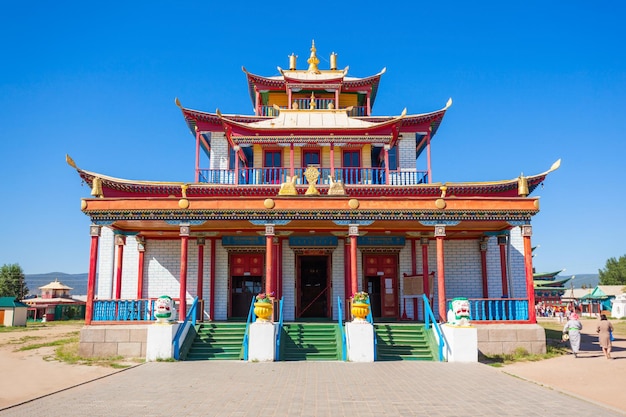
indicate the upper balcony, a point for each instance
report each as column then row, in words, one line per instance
column 277, row 176
column 320, row 103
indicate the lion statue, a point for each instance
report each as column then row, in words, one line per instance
column 164, row 310
column 459, row 313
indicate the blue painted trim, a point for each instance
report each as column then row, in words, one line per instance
column 439, row 222
column 274, row 222
column 191, row 316
column 246, row 336
column 349, row 222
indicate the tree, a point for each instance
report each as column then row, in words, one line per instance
column 12, row 281
column 614, row 273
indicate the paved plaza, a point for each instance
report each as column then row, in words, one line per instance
column 311, row 389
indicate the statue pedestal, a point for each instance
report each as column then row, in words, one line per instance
column 262, row 342
column 159, row 343
column 360, row 341
column 461, row 343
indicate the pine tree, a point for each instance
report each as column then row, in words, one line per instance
column 614, row 273
column 12, row 281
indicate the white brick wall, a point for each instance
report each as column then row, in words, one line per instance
column 219, row 151
column 406, row 151
column 106, row 264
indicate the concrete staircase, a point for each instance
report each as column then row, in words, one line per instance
column 310, row 342
column 402, row 342
column 217, row 341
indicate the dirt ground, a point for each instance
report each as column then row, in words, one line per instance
column 590, row 376
column 31, row 374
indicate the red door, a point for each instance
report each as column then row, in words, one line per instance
column 381, row 281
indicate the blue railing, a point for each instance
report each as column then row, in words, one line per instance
column 246, row 335
column 429, row 317
column 342, row 330
column 191, row 317
column 123, row 310
column 277, row 176
column 505, row 309
column 279, row 330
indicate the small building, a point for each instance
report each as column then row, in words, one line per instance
column 12, row 312
column 55, row 303
column 618, row 309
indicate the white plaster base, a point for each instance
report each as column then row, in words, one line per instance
column 360, row 341
column 461, row 343
column 618, row 309
column 262, row 344
column 159, row 345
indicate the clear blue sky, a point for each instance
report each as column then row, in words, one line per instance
column 531, row 82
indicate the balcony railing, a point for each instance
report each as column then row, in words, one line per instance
column 276, row 176
column 320, row 103
column 123, row 310
column 496, row 309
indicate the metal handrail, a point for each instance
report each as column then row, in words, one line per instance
column 246, row 335
column 428, row 317
column 191, row 316
column 280, row 329
column 342, row 329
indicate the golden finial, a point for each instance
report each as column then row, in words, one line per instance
column 313, row 61
column 522, row 186
column 292, row 61
column 96, row 187
column 333, row 61
column 312, row 105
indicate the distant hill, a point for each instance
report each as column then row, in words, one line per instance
column 77, row 281
column 588, row 280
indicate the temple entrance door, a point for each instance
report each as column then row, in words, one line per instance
column 313, row 287
column 381, row 282
column 246, row 281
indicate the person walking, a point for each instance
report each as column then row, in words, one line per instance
column 605, row 329
column 572, row 328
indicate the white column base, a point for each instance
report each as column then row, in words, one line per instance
column 159, row 343
column 360, row 341
column 461, row 343
column 262, row 342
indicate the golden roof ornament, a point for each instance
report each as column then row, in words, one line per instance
column 96, row 187
column 522, row 186
column 313, row 61
column 292, row 61
column 312, row 174
column 333, row 61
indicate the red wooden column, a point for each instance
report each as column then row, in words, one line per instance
column 184, row 248
column 120, row 241
column 141, row 248
column 332, row 160
column 292, row 163
column 353, row 232
column 424, row 242
column 197, row 176
column 428, row 163
column 269, row 259
column 503, row 266
column 236, row 148
column 440, row 234
column 346, row 274
column 200, row 242
column 482, row 245
column 94, row 231
column 212, row 282
column 527, row 231
column 386, row 155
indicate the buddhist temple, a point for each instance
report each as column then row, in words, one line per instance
column 310, row 200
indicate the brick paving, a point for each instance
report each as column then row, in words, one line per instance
column 309, row 389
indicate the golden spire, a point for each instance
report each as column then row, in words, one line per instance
column 313, row 61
